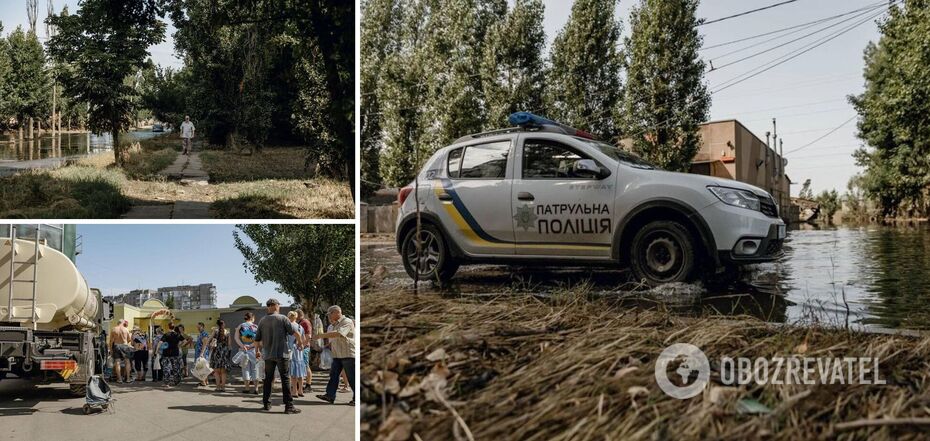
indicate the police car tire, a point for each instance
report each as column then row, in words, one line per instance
column 669, row 230
column 447, row 264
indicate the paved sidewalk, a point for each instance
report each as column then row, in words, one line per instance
column 145, row 411
column 187, row 170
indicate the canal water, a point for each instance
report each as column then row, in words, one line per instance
column 868, row 276
column 63, row 146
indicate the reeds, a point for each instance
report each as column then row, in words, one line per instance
column 520, row 367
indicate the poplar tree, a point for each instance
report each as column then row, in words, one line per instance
column 584, row 79
column 429, row 91
column 451, row 55
column 512, row 69
column 5, row 86
column 665, row 97
column 379, row 39
column 399, row 94
column 28, row 83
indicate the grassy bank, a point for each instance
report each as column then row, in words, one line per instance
column 569, row 368
column 68, row 193
column 271, row 184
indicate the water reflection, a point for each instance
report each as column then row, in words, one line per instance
column 863, row 276
column 63, row 145
column 881, row 272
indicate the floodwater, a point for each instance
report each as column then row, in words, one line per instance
column 868, row 276
column 63, row 146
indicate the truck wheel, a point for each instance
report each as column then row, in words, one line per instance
column 434, row 261
column 662, row 252
column 78, row 389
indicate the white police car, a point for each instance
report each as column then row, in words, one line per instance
column 545, row 193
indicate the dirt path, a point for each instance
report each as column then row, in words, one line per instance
column 187, row 170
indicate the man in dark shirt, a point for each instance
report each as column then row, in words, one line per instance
column 271, row 341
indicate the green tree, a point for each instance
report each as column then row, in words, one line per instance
column 329, row 79
column 856, row 204
column 165, row 93
column 512, row 68
column 379, row 39
column 6, row 112
column 665, row 98
column 105, row 42
column 893, row 112
column 429, row 91
column 806, row 192
column 169, row 302
column 583, row 85
column 28, row 82
column 829, row 202
column 450, row 55
column 311, row 263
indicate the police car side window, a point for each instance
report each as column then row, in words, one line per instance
column 545, row 159
column 484, row 161
column 455, row 163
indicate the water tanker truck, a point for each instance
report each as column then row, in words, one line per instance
column 50, row 319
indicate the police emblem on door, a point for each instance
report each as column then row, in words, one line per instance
column 525, row 217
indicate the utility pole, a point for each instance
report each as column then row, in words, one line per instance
column 774, row 144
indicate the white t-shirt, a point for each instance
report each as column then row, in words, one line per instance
column 187, row 129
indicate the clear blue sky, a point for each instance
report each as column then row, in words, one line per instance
column 119, row 258
column 815, row 84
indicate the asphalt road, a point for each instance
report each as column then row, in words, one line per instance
column 145, row 411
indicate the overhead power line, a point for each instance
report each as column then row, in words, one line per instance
column 780, row 45
column 801, row 25
column 792, row 55
column 824, row 135
column 717, row 20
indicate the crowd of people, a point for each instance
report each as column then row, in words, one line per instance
column 287, row 344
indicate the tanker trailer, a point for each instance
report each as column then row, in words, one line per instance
column 50, row 320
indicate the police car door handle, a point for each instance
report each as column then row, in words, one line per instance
column 444, row 196
column 525, row 196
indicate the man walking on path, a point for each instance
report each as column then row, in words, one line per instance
column 342, row 342
column 122, row 352
column 271, row 342
column 187, row 133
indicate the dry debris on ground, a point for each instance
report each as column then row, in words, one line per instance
column 565, row 368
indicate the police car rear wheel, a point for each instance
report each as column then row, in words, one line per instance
column 662, row 252
column 432, row 260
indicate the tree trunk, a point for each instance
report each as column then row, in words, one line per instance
column 31, row 128
column 54, row 105
column 117, row 152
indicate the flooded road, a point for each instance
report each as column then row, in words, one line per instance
column 63, row 146
column 866, row 276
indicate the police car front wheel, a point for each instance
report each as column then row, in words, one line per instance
column 662, row 252
column 430, row 259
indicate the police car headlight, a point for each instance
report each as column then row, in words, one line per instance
column 736, row 197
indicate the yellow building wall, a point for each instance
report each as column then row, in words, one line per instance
column 189, row 318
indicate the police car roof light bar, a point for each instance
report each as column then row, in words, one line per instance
column 529, row 120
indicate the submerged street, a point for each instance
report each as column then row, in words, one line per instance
column 882, row 271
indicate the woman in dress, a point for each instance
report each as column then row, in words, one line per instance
column 219, row 357
column 298, row 367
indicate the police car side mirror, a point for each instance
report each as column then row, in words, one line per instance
column 587, row 168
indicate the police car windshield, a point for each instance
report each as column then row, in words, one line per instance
column 621, row 155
